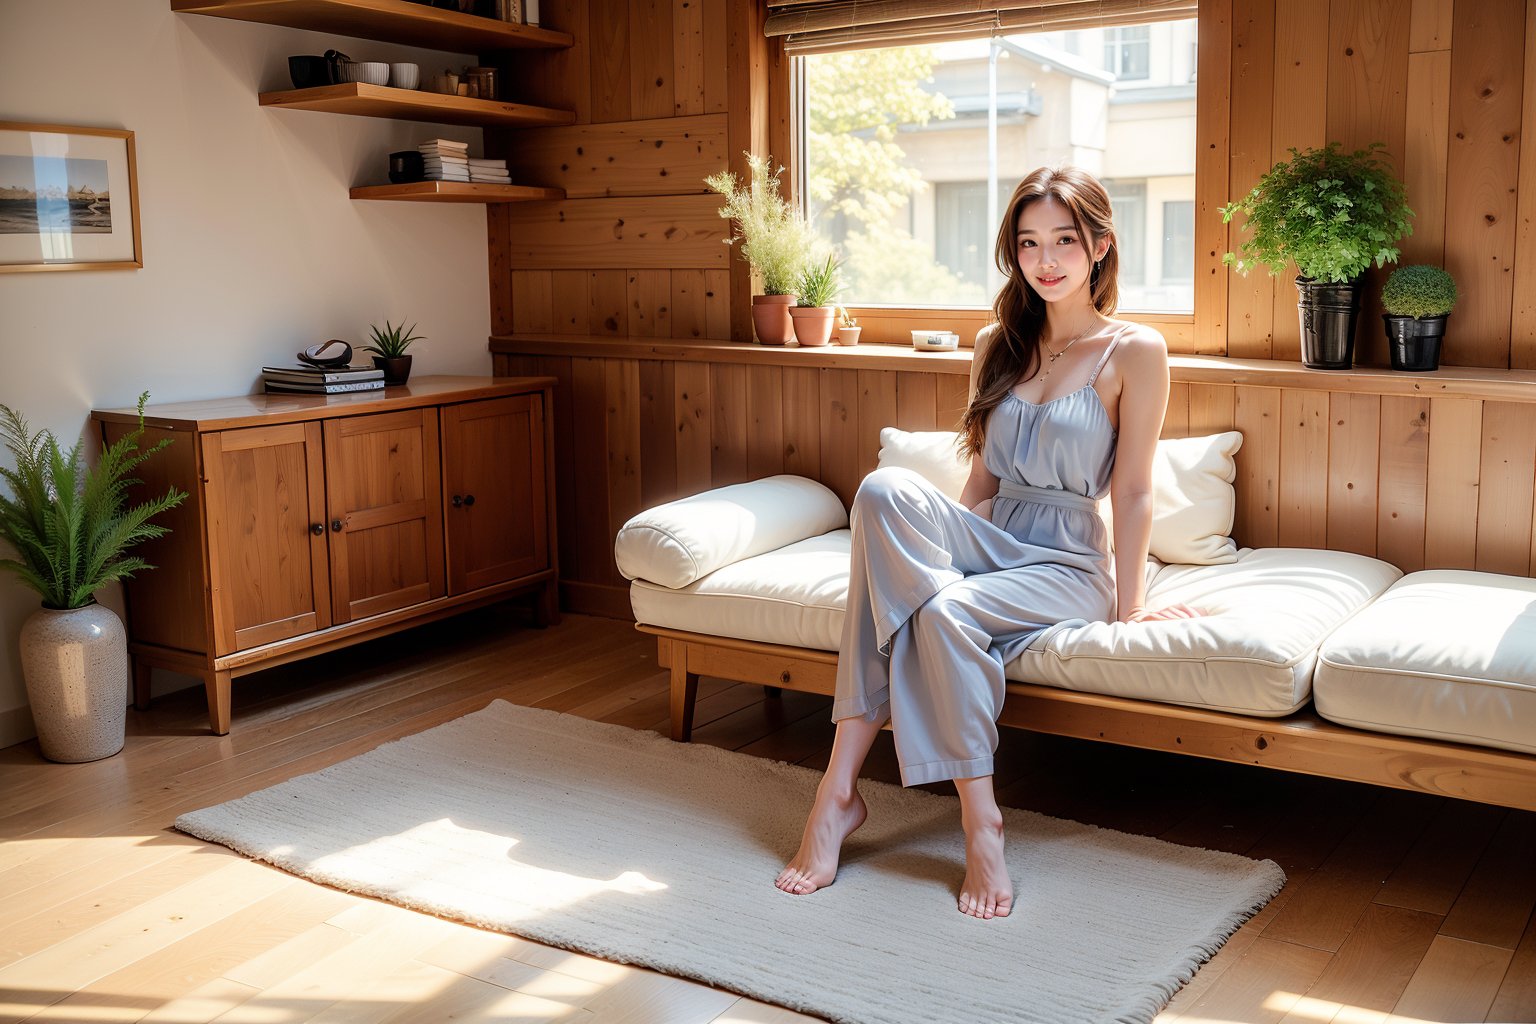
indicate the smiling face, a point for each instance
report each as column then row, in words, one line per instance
column 1055, row 261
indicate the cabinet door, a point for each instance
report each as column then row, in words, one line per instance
column 266, row 538
column 493, row 476
column 384, row 508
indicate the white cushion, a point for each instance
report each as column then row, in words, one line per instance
column 1193, row 503
column 1252, row 653
column 682, row 541
column 1446, row 653
column 795, row 596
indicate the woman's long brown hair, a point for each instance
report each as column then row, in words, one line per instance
column 1019, row 310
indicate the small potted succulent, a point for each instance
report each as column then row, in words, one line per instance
column 848, row 328
column 1418, row 301
column 389, row 348
column 775, row 239
column 1333, row 215
column 814, row 313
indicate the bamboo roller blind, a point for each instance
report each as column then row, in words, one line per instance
column 822, row 26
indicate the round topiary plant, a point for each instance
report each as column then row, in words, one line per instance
column 1419, row 292
column 1331, row 213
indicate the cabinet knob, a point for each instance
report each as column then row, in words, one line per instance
column 336, row 525
column 469, row 499
column 318, row 529
column 458, row 501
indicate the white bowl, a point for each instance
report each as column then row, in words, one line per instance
column 935, row 341
column 404, row 76
column 369, row 72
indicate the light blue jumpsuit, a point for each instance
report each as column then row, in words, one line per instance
column 940, row 599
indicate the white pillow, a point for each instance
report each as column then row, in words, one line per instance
column 1193, row 503
column 932, row 454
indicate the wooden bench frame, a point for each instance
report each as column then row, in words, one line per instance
column 1301, row 742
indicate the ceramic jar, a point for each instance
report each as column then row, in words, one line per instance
column 75, row 663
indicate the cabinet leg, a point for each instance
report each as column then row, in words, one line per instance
column 685, row 690
column 218, row 684
column 773, row 692
column 546, row 605
column 141, row 678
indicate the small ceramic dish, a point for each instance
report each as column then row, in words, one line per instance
column 935, row 341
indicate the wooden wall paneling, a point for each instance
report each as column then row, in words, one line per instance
column 765, row 421
column 688, row 56
column 1303, row 469
column 1354, row 445
column 839, row 418
column 1450, row 508
column 877, row 410
column 500, row 279
column 1256, row 413
column 550, row 78
column 572, row 301
column 728, row 423
column 917, row 401
column 717, row 305
column 1522, row 328
column 653, row 232
column 589, row 472
column 688, row 310
column 621, row 382
column 1212, row 169
column 1299, row 119
column 802, row 421
column 1176, row 418
column 662, row 156
column 1212, row 409
column 658, row 446
column 953, row 398
column 1402, row 489
column 747, row 100
column 716, row 39
column 529, row 292
column 609, row 29
column 607, row 299
column 1430, row 25
column 1504, row 495
column 691, row 407
column 1425, row 146
column 1250, row 299
column 1482, row 165
column 648, row 301
column 559, row 367
column 651, row 70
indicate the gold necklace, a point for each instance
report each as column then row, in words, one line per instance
column 1053, row 356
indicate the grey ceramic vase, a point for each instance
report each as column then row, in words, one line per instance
column 76, row 666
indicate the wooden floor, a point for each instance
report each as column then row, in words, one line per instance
column 1399, row 906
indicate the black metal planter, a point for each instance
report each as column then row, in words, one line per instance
column 1414, row 343
column 1328, row 313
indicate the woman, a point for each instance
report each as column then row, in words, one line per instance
column 1066, row 403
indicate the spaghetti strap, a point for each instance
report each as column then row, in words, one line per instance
column 1108, row 351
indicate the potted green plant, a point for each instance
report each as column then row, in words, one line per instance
column 1418, row 300
column 813, row 314
column 389, row 348
column 775, row 240
column 1333, row 215
column 848, row 328
column 71, row 526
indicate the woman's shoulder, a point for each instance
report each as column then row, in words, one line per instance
column 1141, row 342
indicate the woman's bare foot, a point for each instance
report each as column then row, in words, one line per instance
column 987, row 891
column 833, row 818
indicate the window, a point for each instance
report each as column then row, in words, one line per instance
column 1179, row 240
column 898, row 164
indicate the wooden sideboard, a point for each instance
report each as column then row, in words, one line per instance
column 315, row 522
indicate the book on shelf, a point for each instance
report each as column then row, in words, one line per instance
column 320, row 388
column 488, row 164
column 313, row 374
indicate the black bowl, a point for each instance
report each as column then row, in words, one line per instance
column 406, row 166
column 308, row 72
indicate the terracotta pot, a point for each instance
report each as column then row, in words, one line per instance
column 813, row 324
column 396, row 370
column 770, row 318
column 75, row 663
column 848, row 335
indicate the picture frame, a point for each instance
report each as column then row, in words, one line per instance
column 69, row 198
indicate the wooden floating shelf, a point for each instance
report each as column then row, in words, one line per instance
column 457, row 192
column 392, row 21
column 411, row 105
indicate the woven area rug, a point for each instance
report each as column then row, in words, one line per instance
column 636, row 849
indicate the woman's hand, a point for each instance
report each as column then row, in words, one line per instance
column 1172, row 611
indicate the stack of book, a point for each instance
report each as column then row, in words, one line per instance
column 315, row 380
column 493, row 172
column 445, row 160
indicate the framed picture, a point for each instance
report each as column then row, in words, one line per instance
column 68, row 198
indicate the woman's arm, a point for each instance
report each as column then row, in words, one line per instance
column 981, row 486
column 1143, row 368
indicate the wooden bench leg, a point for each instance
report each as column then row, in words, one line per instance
column 141, row 680
column 685, row 690
column 217, row 685
column 773, row 692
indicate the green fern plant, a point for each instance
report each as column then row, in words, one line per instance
column 392, row 341
column 70, row 523
column 819, row 283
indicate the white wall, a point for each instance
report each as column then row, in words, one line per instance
column 252, row 248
